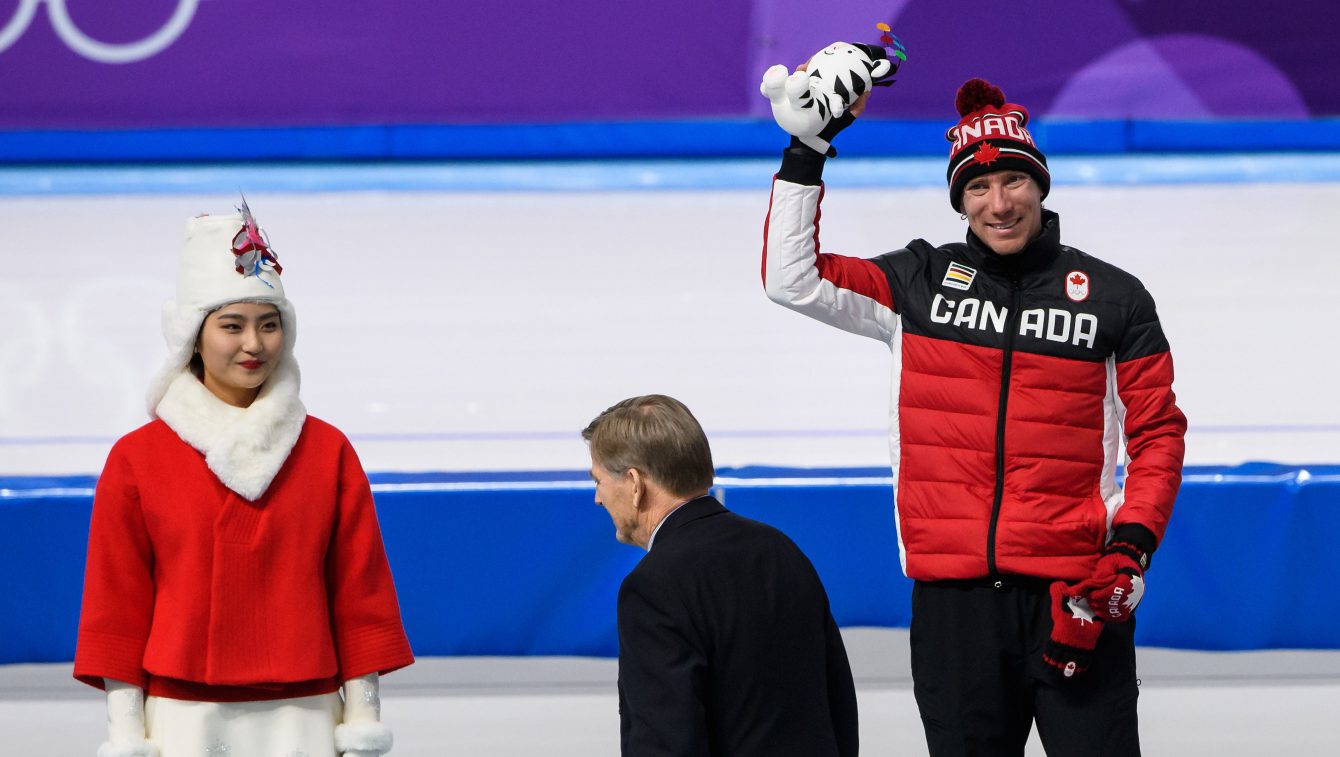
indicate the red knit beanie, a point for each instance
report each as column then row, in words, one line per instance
column 990, row 137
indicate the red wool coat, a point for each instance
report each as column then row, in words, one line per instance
column 193, row 592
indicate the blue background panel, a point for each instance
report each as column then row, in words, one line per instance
column 606, row 140
column 526, row 563
column 505, row 572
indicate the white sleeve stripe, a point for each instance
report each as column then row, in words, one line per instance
column 1114, row 439
column 791, row 278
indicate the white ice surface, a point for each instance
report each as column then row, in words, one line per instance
column 454, row 331
column 1195, row 721
column 1192, row 704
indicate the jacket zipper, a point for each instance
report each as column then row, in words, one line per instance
column 1007, row 362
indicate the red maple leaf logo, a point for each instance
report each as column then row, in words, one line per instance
column 1078, row 279
column 987, row 154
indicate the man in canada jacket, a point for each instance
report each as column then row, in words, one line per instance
column 1020, row 367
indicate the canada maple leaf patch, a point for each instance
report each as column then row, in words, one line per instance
column 1077, row 286
column 986, row 154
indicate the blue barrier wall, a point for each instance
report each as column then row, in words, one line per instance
column 618, row 140
column 526, row 564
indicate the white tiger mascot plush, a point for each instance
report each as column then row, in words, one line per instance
column 804, row 103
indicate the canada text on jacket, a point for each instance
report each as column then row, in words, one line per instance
column 1052, row 324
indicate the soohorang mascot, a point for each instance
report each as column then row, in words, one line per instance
column 812, row 104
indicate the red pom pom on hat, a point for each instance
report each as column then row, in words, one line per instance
column 976, row 94
column 991, row 136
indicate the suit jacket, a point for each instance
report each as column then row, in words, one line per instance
column 727, row 646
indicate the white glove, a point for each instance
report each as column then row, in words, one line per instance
column 362, row 734
column 139, row 748
column 365, row 739
column 125, row 722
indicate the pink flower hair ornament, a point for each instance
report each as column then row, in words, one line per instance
column 252, row 248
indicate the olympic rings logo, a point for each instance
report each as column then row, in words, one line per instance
column 90, row 48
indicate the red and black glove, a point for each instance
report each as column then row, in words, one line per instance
column 1118, row 581
column 1075, row 631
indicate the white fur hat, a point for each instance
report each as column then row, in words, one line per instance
column 207, row 279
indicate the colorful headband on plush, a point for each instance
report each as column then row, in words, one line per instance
column 890, row 42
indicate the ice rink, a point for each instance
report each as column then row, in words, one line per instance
column 1192, row 704
column 480, row 330
column 453, row 330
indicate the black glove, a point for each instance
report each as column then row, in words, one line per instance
column 831, row 130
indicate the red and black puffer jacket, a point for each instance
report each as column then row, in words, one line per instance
column 1016, row 381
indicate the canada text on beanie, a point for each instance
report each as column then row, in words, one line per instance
column 990, row 136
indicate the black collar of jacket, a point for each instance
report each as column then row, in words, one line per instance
column 1038, row 254
column 700, row 507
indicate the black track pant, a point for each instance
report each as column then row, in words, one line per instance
column 980, row 681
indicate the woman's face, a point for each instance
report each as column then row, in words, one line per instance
column 240, row 344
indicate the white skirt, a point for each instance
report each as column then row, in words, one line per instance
column 299, row 727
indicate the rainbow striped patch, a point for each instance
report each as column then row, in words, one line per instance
column 959, row 276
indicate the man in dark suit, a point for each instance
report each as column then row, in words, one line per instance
column 726, row 643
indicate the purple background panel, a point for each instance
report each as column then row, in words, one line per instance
column 1175, row 77
column 262, row 63
column 265, row 63
column 1298, row 38
column 1095, row 59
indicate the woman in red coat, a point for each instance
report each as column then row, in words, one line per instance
column 236, row 577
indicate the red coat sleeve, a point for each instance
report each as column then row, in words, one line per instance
column 365, row 616
column 1155, row 428
column 118, row 581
